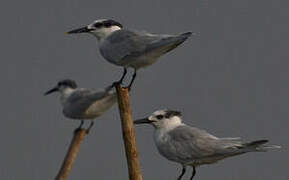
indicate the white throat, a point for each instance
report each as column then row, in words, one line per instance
column 103, row 32
column 65, row 93
column 162, row 130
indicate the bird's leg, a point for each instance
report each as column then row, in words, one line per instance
column 79, row 127
column 132, row 80
column 114, row 84
column 81, row 123
column 183, row 172
column 90, row 126
column 122, row 77
column 194, row 173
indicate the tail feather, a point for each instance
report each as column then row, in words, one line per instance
column 259, row 146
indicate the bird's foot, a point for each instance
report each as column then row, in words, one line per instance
column 116, row 83
column 76, row 130
column 128, row 87
column 90, row 126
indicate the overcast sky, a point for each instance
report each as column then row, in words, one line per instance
column 233, row 80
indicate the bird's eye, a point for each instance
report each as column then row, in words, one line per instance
column 97, row 25
column 107, row 24
column 159, row 116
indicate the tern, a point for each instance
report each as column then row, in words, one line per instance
column 190, row 146
column 82, row 103
column 130, row 48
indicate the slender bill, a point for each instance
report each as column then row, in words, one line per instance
column 142, row 121
column 51, row 91
column 79, row 30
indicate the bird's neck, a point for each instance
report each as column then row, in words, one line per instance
column 65, row 93
column 102, row 33
column 161, row 134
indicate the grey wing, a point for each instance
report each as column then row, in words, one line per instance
column 123, row 43
column 167, row 43
column 126, row 44
column 82, row 99
column 86, row 96
column 193, row 143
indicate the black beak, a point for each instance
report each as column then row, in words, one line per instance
column 142, row 121
column 79, row 30
column 51, row 91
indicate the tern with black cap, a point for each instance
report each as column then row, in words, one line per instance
column 82, row 103
column 190, row 146
column 130, row 48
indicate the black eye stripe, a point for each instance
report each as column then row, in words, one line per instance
column 159, row 116
column 171, row 113
column 107, row 23
column 68, row 82
column 97, row 25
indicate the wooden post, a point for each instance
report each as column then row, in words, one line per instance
column 128, row 133
column 71, row 154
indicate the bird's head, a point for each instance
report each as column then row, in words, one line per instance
column 99, row 28
column 62, row 86
column 168, row 119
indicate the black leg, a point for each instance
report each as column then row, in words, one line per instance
column 81, row 123
column 132, row 80
column 111, row 86
column 90, row 126
column 194, row 173
column 123, row 75
column 183, row 172
column 79, row 127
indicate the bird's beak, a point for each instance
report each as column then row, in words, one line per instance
column 142, row 121
column 51, row 91
column 79, row 30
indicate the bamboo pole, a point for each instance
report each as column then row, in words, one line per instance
column 71, row 154
column 128, row 133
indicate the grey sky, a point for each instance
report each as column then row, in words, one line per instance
column 231, row 81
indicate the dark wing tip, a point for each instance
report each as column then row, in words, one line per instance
column 188, row 34
column 256, row 143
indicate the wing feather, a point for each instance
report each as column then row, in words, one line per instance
column 126, row 44
column 82, row 99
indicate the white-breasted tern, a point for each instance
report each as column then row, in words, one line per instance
column 130, row 48
column 190, row 146
column 82, row 103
